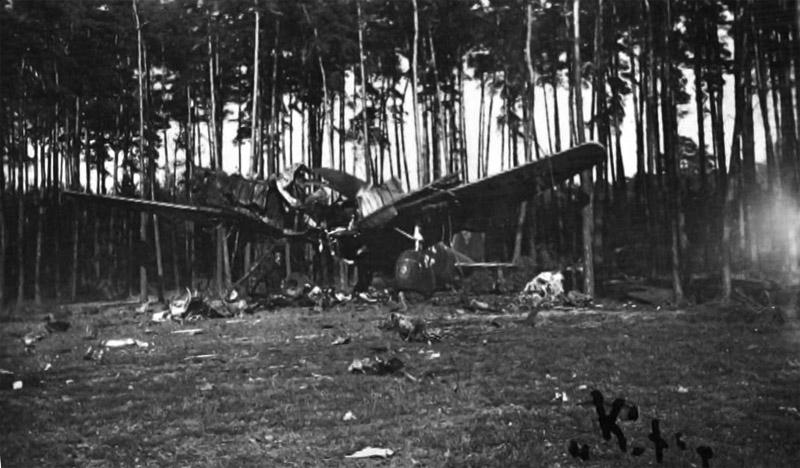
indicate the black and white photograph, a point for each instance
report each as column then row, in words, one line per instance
column 400, row 233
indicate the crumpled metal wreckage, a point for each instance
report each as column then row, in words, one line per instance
column 367, row 224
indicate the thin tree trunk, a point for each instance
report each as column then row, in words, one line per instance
column 365, row 117
column 255, row 139
column 481, row 108
column 142, row 178
column 698, row 97
column 556, row 116
column 486, row 153
column 670, row 149
column 523, row 211
column 761, row 88
column 577, row 66
column 531, row 82
column 587, row 212
column 37, row 276
column 20, row 247
column 274, row 124
column 439, row 151
column 3, row 240
column 422, row 166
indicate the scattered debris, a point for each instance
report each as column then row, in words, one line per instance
column 321, row 377
column 200, row 357
column 376, row 366
column 50, row 325
column 475, row 304
column 340, row 340
column 410, row 329
column 93, row 353
column 561, row 396
column 307, row 337
column 349, row 416
column 682, row 389
column 32, row 337
column 431, row 354
column 125, row 342
column 161, row 316
column 206, row 387
column 188, row 331
column 577, row 299
column 179, row 307
column 372, row 452
column 546, row 288
column 791, row 410
column 195, row 306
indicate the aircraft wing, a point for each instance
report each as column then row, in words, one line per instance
column 481, row 198
column 520, row 183
column 200, row 213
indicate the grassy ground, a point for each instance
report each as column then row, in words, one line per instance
column 275, row 391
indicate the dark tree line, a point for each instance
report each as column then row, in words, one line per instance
column 89, row 90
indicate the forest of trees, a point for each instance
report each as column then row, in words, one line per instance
column 89, row 89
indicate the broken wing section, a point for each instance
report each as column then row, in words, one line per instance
column 241, row 217
column 479, row 202
column 522, row 182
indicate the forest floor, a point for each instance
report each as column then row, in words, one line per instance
column 270, row 389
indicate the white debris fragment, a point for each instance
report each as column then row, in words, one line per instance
column 17, row 385
column 349, row 416
column 161, row 316
column 372, row 452
column 123, row 342
column 178, row 307
column 188, row 331
column 547, row 286
column 340, row 340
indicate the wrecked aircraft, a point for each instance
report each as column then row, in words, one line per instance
column 379, row 228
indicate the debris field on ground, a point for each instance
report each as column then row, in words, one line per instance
column 430, row 384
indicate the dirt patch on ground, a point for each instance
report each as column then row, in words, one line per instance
column 270, row 389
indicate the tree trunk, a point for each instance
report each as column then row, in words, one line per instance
column 556, row 116
column 3, row 241
column 216, row 156
column 529, row 134
column 698, row 96
column 422, row 160
column 20, row 247
column 142, row 177
column 479, row 171
column 367, row 157
column 671, row 159
column 255, row 140
column 761, row 88
column 439, row 152
column 587, row 212
column 577, row 70
column 73, row 292
column 37, row 275
column 274, row 123
column 523, row 211
column 488, row 122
